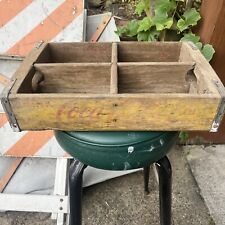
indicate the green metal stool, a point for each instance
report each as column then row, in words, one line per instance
column 118, row 151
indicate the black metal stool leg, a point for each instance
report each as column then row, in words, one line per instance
column 146, row 178
column 75, row 190
column 165, row 190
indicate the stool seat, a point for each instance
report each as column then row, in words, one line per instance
column 116, row 150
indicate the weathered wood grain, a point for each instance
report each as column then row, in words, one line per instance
column 115, row 112
column 133, row 77
column 81, row 52
column 149, row 51
column 25, row 73
column 154, row 77
column 206, row 76
column 75, row 77
column 114, row 71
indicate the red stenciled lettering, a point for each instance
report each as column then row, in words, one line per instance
column 73, row 112
column 78, row 113
column 59, row 113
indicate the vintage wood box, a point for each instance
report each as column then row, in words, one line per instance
column 115, row 86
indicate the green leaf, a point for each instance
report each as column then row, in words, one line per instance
column 163, row 9
column 150, row 35
column 162, row 22
column 145, row 24
column 195, row 39
column 121, row 30
column 164, row 6
column 140, row 7
column 153, row 35
column 190, row 18
column 190, row 37
column 199, row 45
column 132, row 28
column 183, row 136
column 208, row 51
column 143, row 36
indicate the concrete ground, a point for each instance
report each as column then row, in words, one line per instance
column 207, row 164
column 121, row 201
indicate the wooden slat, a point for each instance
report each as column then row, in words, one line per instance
column 81, row 52
column 60, row 186
column 9, row 173
column 101, row 27
column 45, row 66
column 114, row 72
column 206, row 76
column 133, row 77
column 154, row 77
column 115, row 112
column 34, row 203
column 26, row 72
column 75, row 77
column 148, row 52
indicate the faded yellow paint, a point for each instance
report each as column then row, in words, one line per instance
column 122, row 112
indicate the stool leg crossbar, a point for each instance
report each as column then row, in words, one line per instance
column 165, row 190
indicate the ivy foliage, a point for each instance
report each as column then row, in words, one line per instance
column 157, row 17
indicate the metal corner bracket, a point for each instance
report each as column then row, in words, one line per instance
column 221, row 109
column 7, row 107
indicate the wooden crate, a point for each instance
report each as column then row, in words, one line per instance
column 115, row 86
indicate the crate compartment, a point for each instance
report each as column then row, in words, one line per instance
column 80, row 52
column 154, row 77
column 73, row 78
column 75, row 53
column 149, row 52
